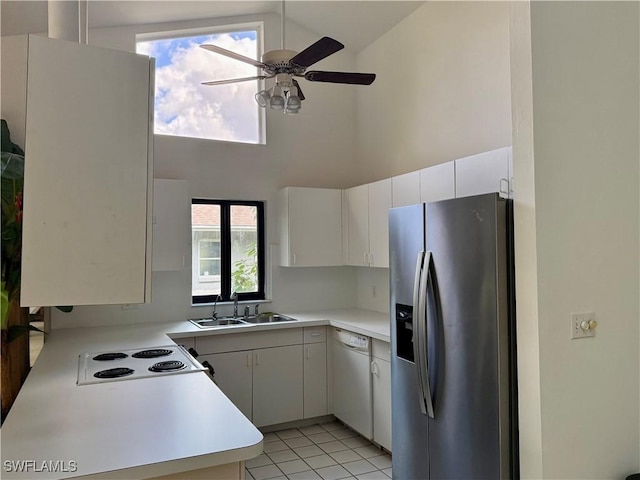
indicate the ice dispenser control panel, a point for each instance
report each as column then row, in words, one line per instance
column 404, row 331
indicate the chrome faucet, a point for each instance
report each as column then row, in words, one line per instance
column 234, row 297
column 214, row 314
column 256, row 310
column 246, row 311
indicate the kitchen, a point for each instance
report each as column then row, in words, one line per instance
column 557, row 442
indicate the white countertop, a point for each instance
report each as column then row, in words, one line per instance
column 142, row 427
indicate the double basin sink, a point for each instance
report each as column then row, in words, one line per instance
column 249, row 320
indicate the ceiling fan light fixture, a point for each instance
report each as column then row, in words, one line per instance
column 263, row 97
column 277, row 100
column 293, row 103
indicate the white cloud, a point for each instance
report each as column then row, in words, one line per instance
column 184, row 107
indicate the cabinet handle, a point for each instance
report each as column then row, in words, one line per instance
column 257, row 358
column 374, row 368
column 306, row 353
column 315, row 334
column 366, row 259
column 504, row 181
column 371, row 259
column 293, row 258
column 248, row 360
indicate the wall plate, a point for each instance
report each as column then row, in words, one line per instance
column 577, row 320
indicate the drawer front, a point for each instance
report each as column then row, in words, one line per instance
column 234, row 342
column 381, row 350
column 315, row 334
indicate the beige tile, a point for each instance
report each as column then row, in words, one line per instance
column 311, row 429
column 320, row 461
column 258, row 461
column 323, row 437
column 331, row 426
column 309, row 451
column 282, row 456
column 368, row 451
column 334, row 446
column 355, row 442
column 341, row 433
column 267, row 471
column 381, row 462
column 270, row 437
column 308, row 475
column 359, row 467
column 290, row 433
column 345, row 456
column 294, row 466
column 334, row 472
column 298, row 442
column 387, row 472
column 247, row 475
column 275, row 446
column 375, row 475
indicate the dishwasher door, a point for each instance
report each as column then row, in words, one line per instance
column 352, row 400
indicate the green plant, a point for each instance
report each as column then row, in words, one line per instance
column 244, row 277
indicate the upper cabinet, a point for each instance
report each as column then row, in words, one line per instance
column 367, row 224
column 86, row 113
column 484, row 173
column 438, row 182
column 310, row 227
column 171, row 226
column 406, row 189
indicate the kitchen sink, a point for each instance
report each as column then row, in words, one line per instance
column 250, row 320
column 268, row 318
column 216, row 322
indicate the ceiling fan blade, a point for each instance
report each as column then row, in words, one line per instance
column 314, row 53
column 297, row 85
column 234, row 55
column 234, row 80
column 340, row 77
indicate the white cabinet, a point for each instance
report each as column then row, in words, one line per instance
column 438, row 182
column 367, row 224
column 87, row 128
column 381, row 391
column 234, row 376
column 171, row 225
column 484, row 173
column 310, row 227
column 406, row 189
column 315, row 372
column 277, row 385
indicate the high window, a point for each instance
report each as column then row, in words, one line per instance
column 228, row 250
column 184, row 107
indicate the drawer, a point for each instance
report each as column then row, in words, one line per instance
column 315, row 334
column 234, row 342
column 381, row 350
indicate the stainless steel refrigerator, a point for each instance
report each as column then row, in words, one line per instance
column 453, row 371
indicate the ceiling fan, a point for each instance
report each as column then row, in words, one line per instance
column 284, row 65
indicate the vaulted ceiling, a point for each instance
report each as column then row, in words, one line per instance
column 355, row 23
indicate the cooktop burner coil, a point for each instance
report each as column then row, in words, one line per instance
column 114, row 372
column 152, row 353
column 105, row 357
column 168, row 366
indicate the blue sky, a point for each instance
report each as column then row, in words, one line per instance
column 184, row 107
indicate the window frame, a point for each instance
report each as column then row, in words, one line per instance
column 257, row 26
column 225, row 251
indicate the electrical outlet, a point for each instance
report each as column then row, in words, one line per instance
column 583, row 325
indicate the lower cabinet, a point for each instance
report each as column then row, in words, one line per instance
column 272, row 377
column 381, row 390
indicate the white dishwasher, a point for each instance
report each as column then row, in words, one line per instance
column 352, row 381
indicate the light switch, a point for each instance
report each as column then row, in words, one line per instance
column 583, row 325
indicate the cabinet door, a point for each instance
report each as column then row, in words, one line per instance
column 310, row 227
column 171, row 225
column 277, row 385
column 381, row 387
column 234, row 377
column 358, row 225
column 88, row 173
column 315, row 380
column 486, row 172
column 406, row 189
column 379, row 205
column 438, row 183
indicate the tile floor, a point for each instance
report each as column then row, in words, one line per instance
column 328, row 451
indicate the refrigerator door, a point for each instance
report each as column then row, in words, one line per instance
column 467, row 332
column 410, row 437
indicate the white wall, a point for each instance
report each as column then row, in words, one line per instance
column 442, row 89
column 585, row 104
column 313, row 149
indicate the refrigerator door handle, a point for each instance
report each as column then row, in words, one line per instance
column 432, row 352
column 422, row 320
column 417, row 336
column 420, row 331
